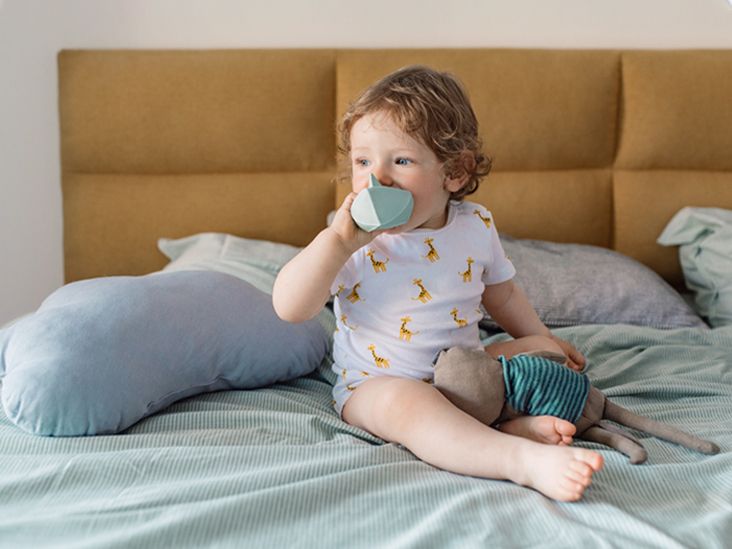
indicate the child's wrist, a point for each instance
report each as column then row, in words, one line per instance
column 346, row 247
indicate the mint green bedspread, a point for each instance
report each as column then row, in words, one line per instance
column 276, row 467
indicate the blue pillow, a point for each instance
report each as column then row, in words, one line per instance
column 101, row 354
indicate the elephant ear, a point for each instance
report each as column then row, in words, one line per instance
column 473, row 381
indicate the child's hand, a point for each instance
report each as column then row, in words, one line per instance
column 350, row 234
column 575, row 360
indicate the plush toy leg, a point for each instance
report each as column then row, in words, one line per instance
column 625, row 417
column 615, row 429
column 619, row 442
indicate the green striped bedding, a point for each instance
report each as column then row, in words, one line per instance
column 276, row 467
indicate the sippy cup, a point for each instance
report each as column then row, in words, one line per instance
column 379, row 207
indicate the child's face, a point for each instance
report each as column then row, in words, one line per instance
column 380, row 147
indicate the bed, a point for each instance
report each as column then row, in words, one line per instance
column 594, row 152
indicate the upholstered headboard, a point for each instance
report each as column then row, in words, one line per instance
column 598, row 147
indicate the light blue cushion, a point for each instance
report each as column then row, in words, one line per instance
column 256, row 261
column 704, row 237
column 101, row 354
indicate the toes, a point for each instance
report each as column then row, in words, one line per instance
column 593, row 459
column 580, row 473
column 596, row 462
column 572, row 490
column 582, row 468
column 564, row 428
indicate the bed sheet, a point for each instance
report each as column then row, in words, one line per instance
column 277, row 467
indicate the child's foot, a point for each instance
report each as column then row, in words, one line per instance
column 544, row 429
column 558, row 472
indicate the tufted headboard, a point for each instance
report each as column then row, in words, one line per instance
column 590, row 146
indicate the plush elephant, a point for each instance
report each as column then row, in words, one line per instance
column 496, row 390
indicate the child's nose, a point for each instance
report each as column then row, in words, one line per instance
column 384, row 177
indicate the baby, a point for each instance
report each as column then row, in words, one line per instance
column 404, row 294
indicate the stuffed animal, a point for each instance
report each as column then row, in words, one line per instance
column 496, row 390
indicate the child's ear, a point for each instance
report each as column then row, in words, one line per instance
column 453, row 185
column 458, row 171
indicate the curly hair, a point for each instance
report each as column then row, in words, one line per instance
column 432, row 107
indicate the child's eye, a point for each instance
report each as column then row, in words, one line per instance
column 361, row 162
column 403, row 161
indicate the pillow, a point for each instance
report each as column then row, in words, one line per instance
column 101, row 354
column 572, row 284
column 256, row 261
column 705, row 254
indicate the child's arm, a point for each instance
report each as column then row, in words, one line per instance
column 303, row 285
column 509, row 307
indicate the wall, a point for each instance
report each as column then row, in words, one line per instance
column 32, row 31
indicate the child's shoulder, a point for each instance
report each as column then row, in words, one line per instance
column 473, row 210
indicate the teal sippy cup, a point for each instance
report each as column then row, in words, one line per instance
column 379, row 207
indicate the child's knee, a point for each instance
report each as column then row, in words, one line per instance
column 380, row 405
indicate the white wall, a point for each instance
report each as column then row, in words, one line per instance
column 32, row 31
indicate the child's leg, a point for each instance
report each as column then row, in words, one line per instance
column 545, row 429
column 417, row 415
column 523, row 345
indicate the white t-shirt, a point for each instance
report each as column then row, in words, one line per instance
column 404, row 297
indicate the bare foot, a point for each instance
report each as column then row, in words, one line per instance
column 558, row 472
column 545, row 429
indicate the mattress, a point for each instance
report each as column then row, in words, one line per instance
column 277, row 467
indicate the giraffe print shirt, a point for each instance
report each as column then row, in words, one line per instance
column 404, row 297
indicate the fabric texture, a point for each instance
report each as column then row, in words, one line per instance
column 276, row 467
column 101, row 354
column 589, row 147
column 256, row 261
column 704, row 237
column 538, row 386
column 573, row 284
column 404, row 297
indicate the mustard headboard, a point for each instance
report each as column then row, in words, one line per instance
column 590, row 146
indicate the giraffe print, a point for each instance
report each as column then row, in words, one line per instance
column 424, row 296
column 353, row 297
column 461, row 322
column 404, row 332
column 344, row 320
column 380, row 361
column 379, row 266
column 468, row 275
column 432, row 254
column 486, row 220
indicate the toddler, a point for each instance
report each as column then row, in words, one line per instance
column 404, row 294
